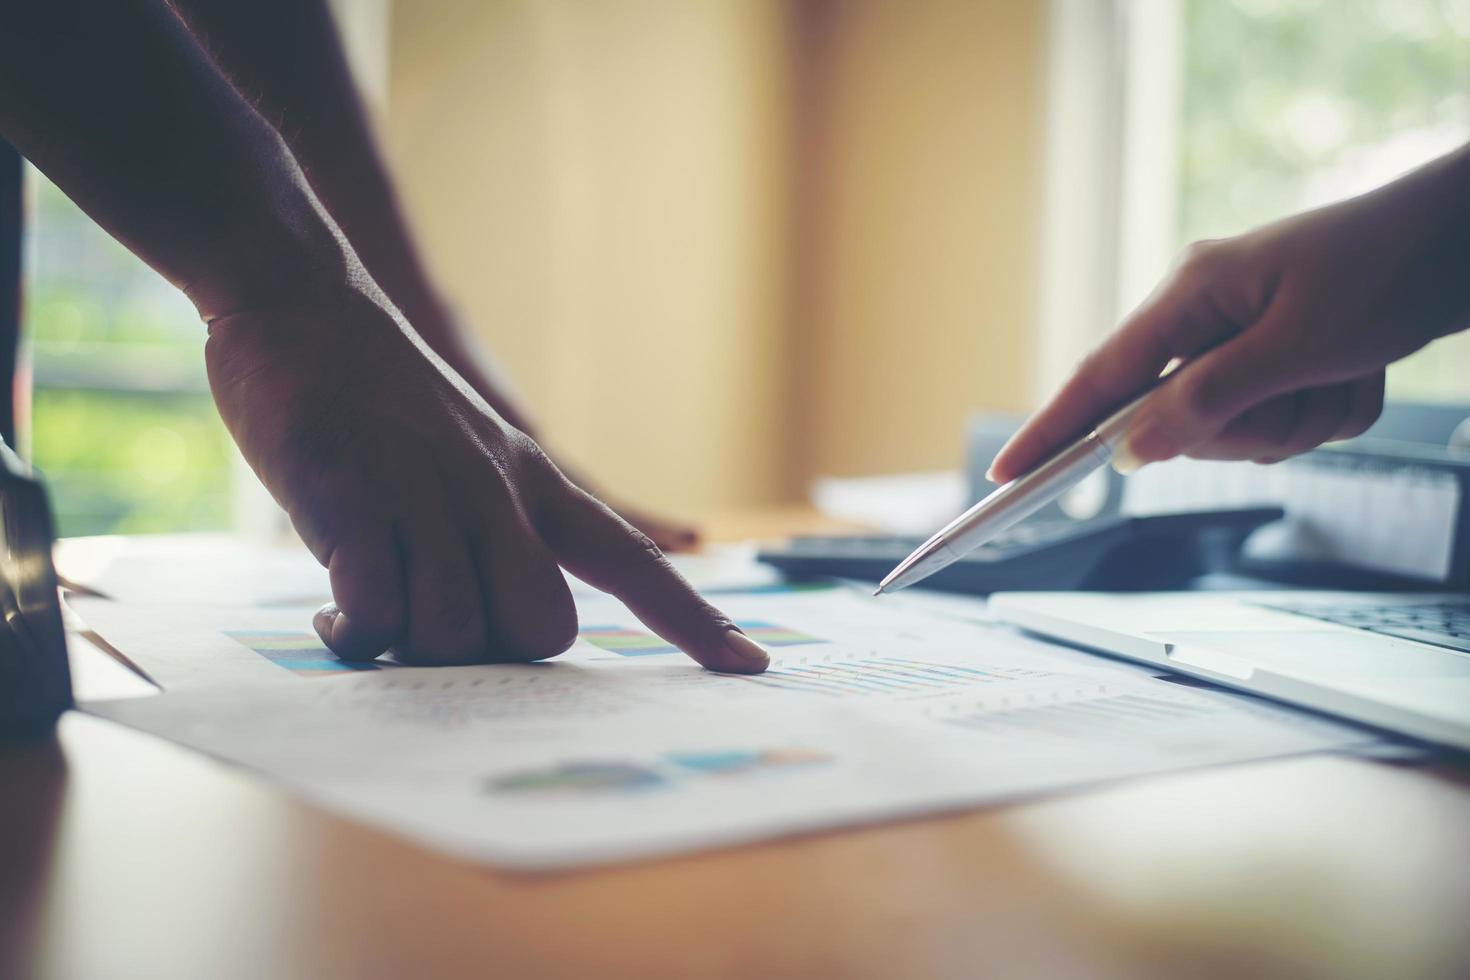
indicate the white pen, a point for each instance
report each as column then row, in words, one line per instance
column 1013, row 502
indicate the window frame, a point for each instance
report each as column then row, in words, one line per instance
column 1112, row 182
column 1110, row 178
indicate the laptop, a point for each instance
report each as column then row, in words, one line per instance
column 1397, row 661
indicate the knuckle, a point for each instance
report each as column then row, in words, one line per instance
column 368, row 601
column 1297, row 440
column 718, row 621
column 1296, row 443
column 528, row 452
column 1093, row 373
column 1201, row 257
column 453, row 631
column 532, row 615
column 705, row 616
column 1366, row 411
column 455, row 610
column 322, row 527
column 314, row 533
column 1310, row 434
column 376, row 619
column 1319, row 414
column 645, row 552
column 1373, row 406
column 560, row 634
column 1292, row 431
column 439, row 652
column 1088, row 362
column 1194, row 400
column 1359, row 423
column 546, row 637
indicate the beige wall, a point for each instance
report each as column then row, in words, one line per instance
column 723, row 246
column 923, row 193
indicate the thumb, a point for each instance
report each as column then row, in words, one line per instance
column 1193, row 310
column 1200, row 399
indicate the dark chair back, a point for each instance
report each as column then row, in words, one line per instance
column 10, row 236
column 35, row 683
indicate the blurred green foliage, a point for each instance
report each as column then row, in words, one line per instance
column 1279, row 93
column 152, row 456
column 1291, row 104
column 120, row 462
column 1284, row 103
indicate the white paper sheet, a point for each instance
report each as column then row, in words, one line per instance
column 622, row 751
column 237, row 570
column 185, row 646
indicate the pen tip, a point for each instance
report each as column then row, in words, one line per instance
column 878, row 591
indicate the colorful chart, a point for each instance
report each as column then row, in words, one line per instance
column 297, row 651
column 579, row 778
column 639, row 643
column 604, row 778
column 883, row 676
column 735, row 763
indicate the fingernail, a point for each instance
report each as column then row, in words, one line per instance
column 325, row 620
column 747, row 649
column 1124, row 460
column 990, row 474
column 1144, row 442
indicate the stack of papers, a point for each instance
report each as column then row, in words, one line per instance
column 623, row 748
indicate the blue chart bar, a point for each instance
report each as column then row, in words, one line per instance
column 879, row 676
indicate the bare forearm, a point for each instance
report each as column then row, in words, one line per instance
column 116, row 104
column 285, row 58
column 1285, row 332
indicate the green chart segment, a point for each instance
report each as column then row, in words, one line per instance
column 638, row 643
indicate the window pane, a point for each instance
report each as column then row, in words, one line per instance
column 125, row 462
column 122, row 423
column 1290, row 104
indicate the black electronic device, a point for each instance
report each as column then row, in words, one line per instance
column 35, row 681
column 1113, row 553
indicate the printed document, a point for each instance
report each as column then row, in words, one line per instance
column 623, row 748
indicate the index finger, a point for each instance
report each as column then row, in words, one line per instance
column 603, row 550
column 1176, row 321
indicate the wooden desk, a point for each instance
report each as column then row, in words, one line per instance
column 124, row 856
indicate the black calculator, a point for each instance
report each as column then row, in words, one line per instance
column 1112, row 553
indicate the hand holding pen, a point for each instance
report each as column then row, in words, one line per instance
column 1280, row 337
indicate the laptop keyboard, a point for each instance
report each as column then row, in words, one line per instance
column 1443, row 623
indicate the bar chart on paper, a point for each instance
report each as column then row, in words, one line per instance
column 299, row 652
column 626, row 642
column 885, row 676
column 1109, row 713
column 591, row 777
column 1101, row 713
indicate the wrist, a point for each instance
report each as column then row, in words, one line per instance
column 1422, row 225
column 269, row 257
column 364, row 206
column 1452, row 240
